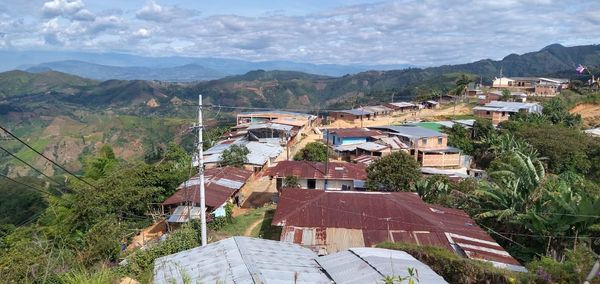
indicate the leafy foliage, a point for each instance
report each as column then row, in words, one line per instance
column 460, row 137
column 395, row 172
column 291, row 181
column 313, row 151
column 18, row 203
column 234, row 156
column 104, row 162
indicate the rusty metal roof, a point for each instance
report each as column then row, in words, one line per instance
column 316, row 170
column 386, row 216
column 219, row 184
column 365, row 159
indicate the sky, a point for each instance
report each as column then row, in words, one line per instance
column 421, row 33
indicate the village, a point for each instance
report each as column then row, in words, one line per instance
column 322, row 210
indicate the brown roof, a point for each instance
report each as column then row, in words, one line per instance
column 387, row 216
column 316, row 170
column 220, row 184
column 355, row 132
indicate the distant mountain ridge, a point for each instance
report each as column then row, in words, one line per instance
column 293, row 89
column 183, row 73
column 42, row 60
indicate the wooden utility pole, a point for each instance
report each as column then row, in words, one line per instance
column 201, row 175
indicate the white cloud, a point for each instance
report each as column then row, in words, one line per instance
column 151, row 11
column 56, row 8
column 409, row 31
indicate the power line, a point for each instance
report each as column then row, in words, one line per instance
column 32, row 167
column 26, row 185
column 44, row 156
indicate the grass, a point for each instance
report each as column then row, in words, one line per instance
column 265, row 230
column 28, row 155
column 241, row 223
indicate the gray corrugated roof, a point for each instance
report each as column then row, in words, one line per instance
column 278, row 112
column 356, row 111
column 371, row 146
column 372, row 265
column 275, row 126
column 403, row 104
column 241, row 260
column 509, row 106
column 410, row 131
column 261, row 152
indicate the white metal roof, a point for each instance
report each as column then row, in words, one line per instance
column 241, row 260
column 372, row 265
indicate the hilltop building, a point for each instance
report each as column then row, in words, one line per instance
column 499, row 111
column 317, row 175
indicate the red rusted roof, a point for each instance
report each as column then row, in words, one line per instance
column 220, row 184
column 316, row 170
column 389, row 216
column 355, row 132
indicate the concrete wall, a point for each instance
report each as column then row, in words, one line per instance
column 432, row 143
column 495, row 116
column 331, row 184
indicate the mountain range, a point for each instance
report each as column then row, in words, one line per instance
column 71, row 116
column 105, row 66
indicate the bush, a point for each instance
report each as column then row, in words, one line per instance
column 453, row 268
column 235, row 156
column 313, row 151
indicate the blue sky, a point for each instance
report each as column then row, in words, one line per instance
column 423, row 33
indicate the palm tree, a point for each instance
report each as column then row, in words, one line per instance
column 462, row 85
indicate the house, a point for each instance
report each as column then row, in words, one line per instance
column 532, row 85
column 352, row 115
column 499, row 111
column 497, row 95
column 260, row 261
column 261, row 154
column 333, row 221
column 273, row 132
column 221, row 185
column 280, row 117
column 379, row 110
column 347, row 136
column 429, row 147
column 430, row 105
column 318, row 175
column 401, row 107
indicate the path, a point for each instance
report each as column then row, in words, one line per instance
column 248, row 231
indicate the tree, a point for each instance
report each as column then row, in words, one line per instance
column 462, row 85
column 505, row 95
column 291, row 181
column 235, row 156
column 557, row 112
column 313, row 151
column 395, row 172
column 460, row 137
column 104, row 162
column 482, row 128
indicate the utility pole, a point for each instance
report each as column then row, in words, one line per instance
column 201, row 174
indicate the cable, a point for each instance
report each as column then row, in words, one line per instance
column 44, row 156
column 26, row 185
column 32, row 167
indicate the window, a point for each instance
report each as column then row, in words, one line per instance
column 487, row 112
column 424, row 141
column 311, row 183
column 440, row 140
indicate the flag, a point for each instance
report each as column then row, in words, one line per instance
column 580, row 69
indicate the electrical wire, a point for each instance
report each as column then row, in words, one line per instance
column 32, row 167
column 44, row 156
column 26, row 185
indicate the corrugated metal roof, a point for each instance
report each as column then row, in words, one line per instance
column 593, row 131
column 394, row 142
column 403, row 104
column 220, row 184
column 277, row 112
column 372, row 265
column 274, row 126
column 353, row 132
column 377, row 108
column 182, row 214
column 241, row 260
column 260, row 153
column 316, row 170
column 371, row 146
column 385, row 216
column 409, row 131
column 356, row 111
column 509, row 106
column 365, row 159
column 458, row 173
